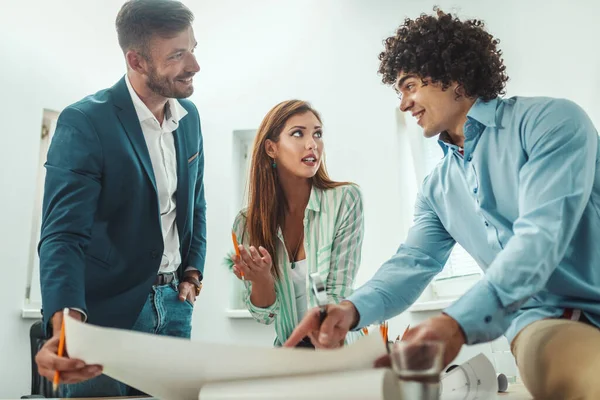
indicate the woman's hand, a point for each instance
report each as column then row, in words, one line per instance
column 253, row 266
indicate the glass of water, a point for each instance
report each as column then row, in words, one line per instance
column 418, row 366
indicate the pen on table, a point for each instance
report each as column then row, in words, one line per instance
column 61, row 351
column 237, row 250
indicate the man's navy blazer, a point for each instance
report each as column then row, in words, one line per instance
column 101, row 242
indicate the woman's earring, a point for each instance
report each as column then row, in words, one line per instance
column 274, row 164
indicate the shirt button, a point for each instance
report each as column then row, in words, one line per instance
column 487, row 319
column 475, row 190
column 470, row 158
column 486, row 223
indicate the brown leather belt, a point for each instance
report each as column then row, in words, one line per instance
column 576, row 315
column 164, row 279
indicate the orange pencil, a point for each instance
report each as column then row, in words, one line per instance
column 61, row 350
column 237, row 250
column 387, row 328
column 405, row 332
column 383, row 330
column 365, row 330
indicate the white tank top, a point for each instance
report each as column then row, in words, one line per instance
column 299, row 279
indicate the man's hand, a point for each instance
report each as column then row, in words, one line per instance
column 71, row 370
column 340, row 319
column 442, row 328
column 48, row 361
column 187, row 290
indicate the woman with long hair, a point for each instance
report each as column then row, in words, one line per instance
column 298, row 222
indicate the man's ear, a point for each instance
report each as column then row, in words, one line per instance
column 271, row 148
column 459, row 90
column 136, row 62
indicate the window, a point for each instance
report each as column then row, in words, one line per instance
column 242, row 154
column 461, row 270
column 33, row 297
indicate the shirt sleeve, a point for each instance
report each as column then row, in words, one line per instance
column 72, row 187
column 346, row 246
column 264, row 315
column 555, row 184
column 400, row 280
column 197, row 253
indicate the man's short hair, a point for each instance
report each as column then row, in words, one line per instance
column 139, row 20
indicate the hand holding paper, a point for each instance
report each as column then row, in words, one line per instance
column 56, row 365
column 153, row 365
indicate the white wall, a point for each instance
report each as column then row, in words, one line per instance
column 253, row 55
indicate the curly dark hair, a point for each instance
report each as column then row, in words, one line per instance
column 445, row 49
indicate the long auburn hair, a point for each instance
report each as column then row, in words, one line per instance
column 266, row 200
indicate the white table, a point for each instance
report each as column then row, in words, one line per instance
column 515, row 392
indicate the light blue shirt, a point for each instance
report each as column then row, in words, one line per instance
column 524, row 201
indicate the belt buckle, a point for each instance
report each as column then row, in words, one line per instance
column 573, row 314
column 165, row 278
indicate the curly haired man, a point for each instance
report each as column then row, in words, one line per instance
column 518, row 188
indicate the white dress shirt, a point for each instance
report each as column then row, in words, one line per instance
column 161, row 146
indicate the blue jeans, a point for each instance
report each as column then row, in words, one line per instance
column 163, row 314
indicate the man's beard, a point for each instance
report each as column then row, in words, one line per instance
column 164, row 87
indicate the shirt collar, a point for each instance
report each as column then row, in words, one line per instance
column 481, row 111
column 314, row 201
column 174, row 111
column 484, row 112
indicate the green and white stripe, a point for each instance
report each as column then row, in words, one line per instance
column 333, row 236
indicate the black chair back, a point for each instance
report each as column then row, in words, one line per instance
column 40, row 386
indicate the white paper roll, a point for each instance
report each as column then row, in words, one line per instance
column 374, row 384
column 474, row 380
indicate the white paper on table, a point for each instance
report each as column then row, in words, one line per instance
column 175, row 369
column 372, row 384
column 474, row 380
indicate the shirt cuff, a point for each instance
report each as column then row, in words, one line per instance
column 190, row 268
column 479, row 314
column 369, row 305
column 79, row 310
column 270, row 310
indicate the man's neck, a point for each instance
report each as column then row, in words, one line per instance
column 155, row 103
column 456, row 131
column 457, row 135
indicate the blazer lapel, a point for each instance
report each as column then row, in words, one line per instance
column 183, row 182
column 131, row 123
